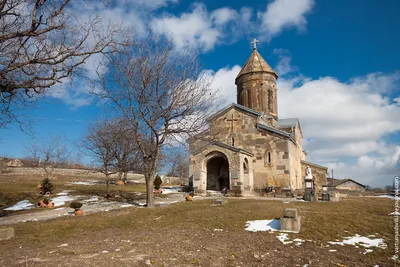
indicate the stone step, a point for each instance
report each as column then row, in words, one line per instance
column 212, row 193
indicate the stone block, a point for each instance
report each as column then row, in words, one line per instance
column 6, row 233
column 291, row 224
column 290, row 213
column 218, row 201
column 325, row 197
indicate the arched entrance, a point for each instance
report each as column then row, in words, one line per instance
column 218, row 173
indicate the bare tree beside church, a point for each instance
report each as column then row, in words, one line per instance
column 42, row 44
column 160, row 94
column 179, row 166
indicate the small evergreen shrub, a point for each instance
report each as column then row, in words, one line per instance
column 76, row 205
column 157, row 182
column 47, row 186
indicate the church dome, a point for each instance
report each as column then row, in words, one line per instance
column 256, row 63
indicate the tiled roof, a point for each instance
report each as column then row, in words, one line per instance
column 256, row 63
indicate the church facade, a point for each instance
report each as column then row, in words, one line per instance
column 247, row 147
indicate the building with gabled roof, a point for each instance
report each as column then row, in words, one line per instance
column 247, row 147
column 345, row 185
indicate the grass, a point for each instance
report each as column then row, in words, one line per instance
column 183, row 234
column 14, row 188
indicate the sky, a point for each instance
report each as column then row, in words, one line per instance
column 338, row 65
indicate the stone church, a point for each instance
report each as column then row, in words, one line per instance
column 247, row 147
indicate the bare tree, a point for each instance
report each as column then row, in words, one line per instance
column 179, row 165
column 99, row 144
column 50, row 153
column 43, row 43
column 127, row 155
column 160, row 94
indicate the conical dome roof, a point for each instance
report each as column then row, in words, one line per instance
column 256, row 63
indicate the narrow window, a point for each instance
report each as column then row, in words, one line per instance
column 267, row 158
column 233, row 141
column 246, row 166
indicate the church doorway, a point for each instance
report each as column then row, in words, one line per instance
column 218, row 173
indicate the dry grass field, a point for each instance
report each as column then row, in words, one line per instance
column 184, row 234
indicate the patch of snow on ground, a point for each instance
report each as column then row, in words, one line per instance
column 368, row 251
column 60, row 200
column 89, row 182
column 21, row 205
column 362, row 241
column 284, row 238
column 332, row 250
column 126, row 205
column 298, row 241
column 92, row 199
column 263, row 225
column 395, row 213
column 166, row 191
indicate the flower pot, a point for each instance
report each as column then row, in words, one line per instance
column 41, row 204
column 189, row 198
column 78, row 212
column 50, row 205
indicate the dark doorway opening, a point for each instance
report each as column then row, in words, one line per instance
column 218, row 174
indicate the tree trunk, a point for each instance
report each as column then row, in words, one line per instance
column 125, row 176
column 108, row 186
column 149, row 191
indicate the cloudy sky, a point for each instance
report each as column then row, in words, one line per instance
column 338, row 65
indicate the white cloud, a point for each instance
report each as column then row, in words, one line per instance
column 344, row 123
column 281, row 14
column 198, row 30
column 223, row 81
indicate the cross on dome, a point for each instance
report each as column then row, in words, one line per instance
column 254, row 42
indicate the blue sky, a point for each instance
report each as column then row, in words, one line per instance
column 338, row 63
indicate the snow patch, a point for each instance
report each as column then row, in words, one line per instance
column 21, row 205
column 60, row 200
column 263, row 225
column 362, row 241
column 126, row 205
column 284, row 238
column 89, row 182
column 92, row 199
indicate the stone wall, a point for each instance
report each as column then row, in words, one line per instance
column 258, row 91
column 269, row 163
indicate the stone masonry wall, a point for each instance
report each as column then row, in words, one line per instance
column 238, row 129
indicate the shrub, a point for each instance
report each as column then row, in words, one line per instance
column 47, row 186
column 46, row 201
column 157, row 182
column 76, row 205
